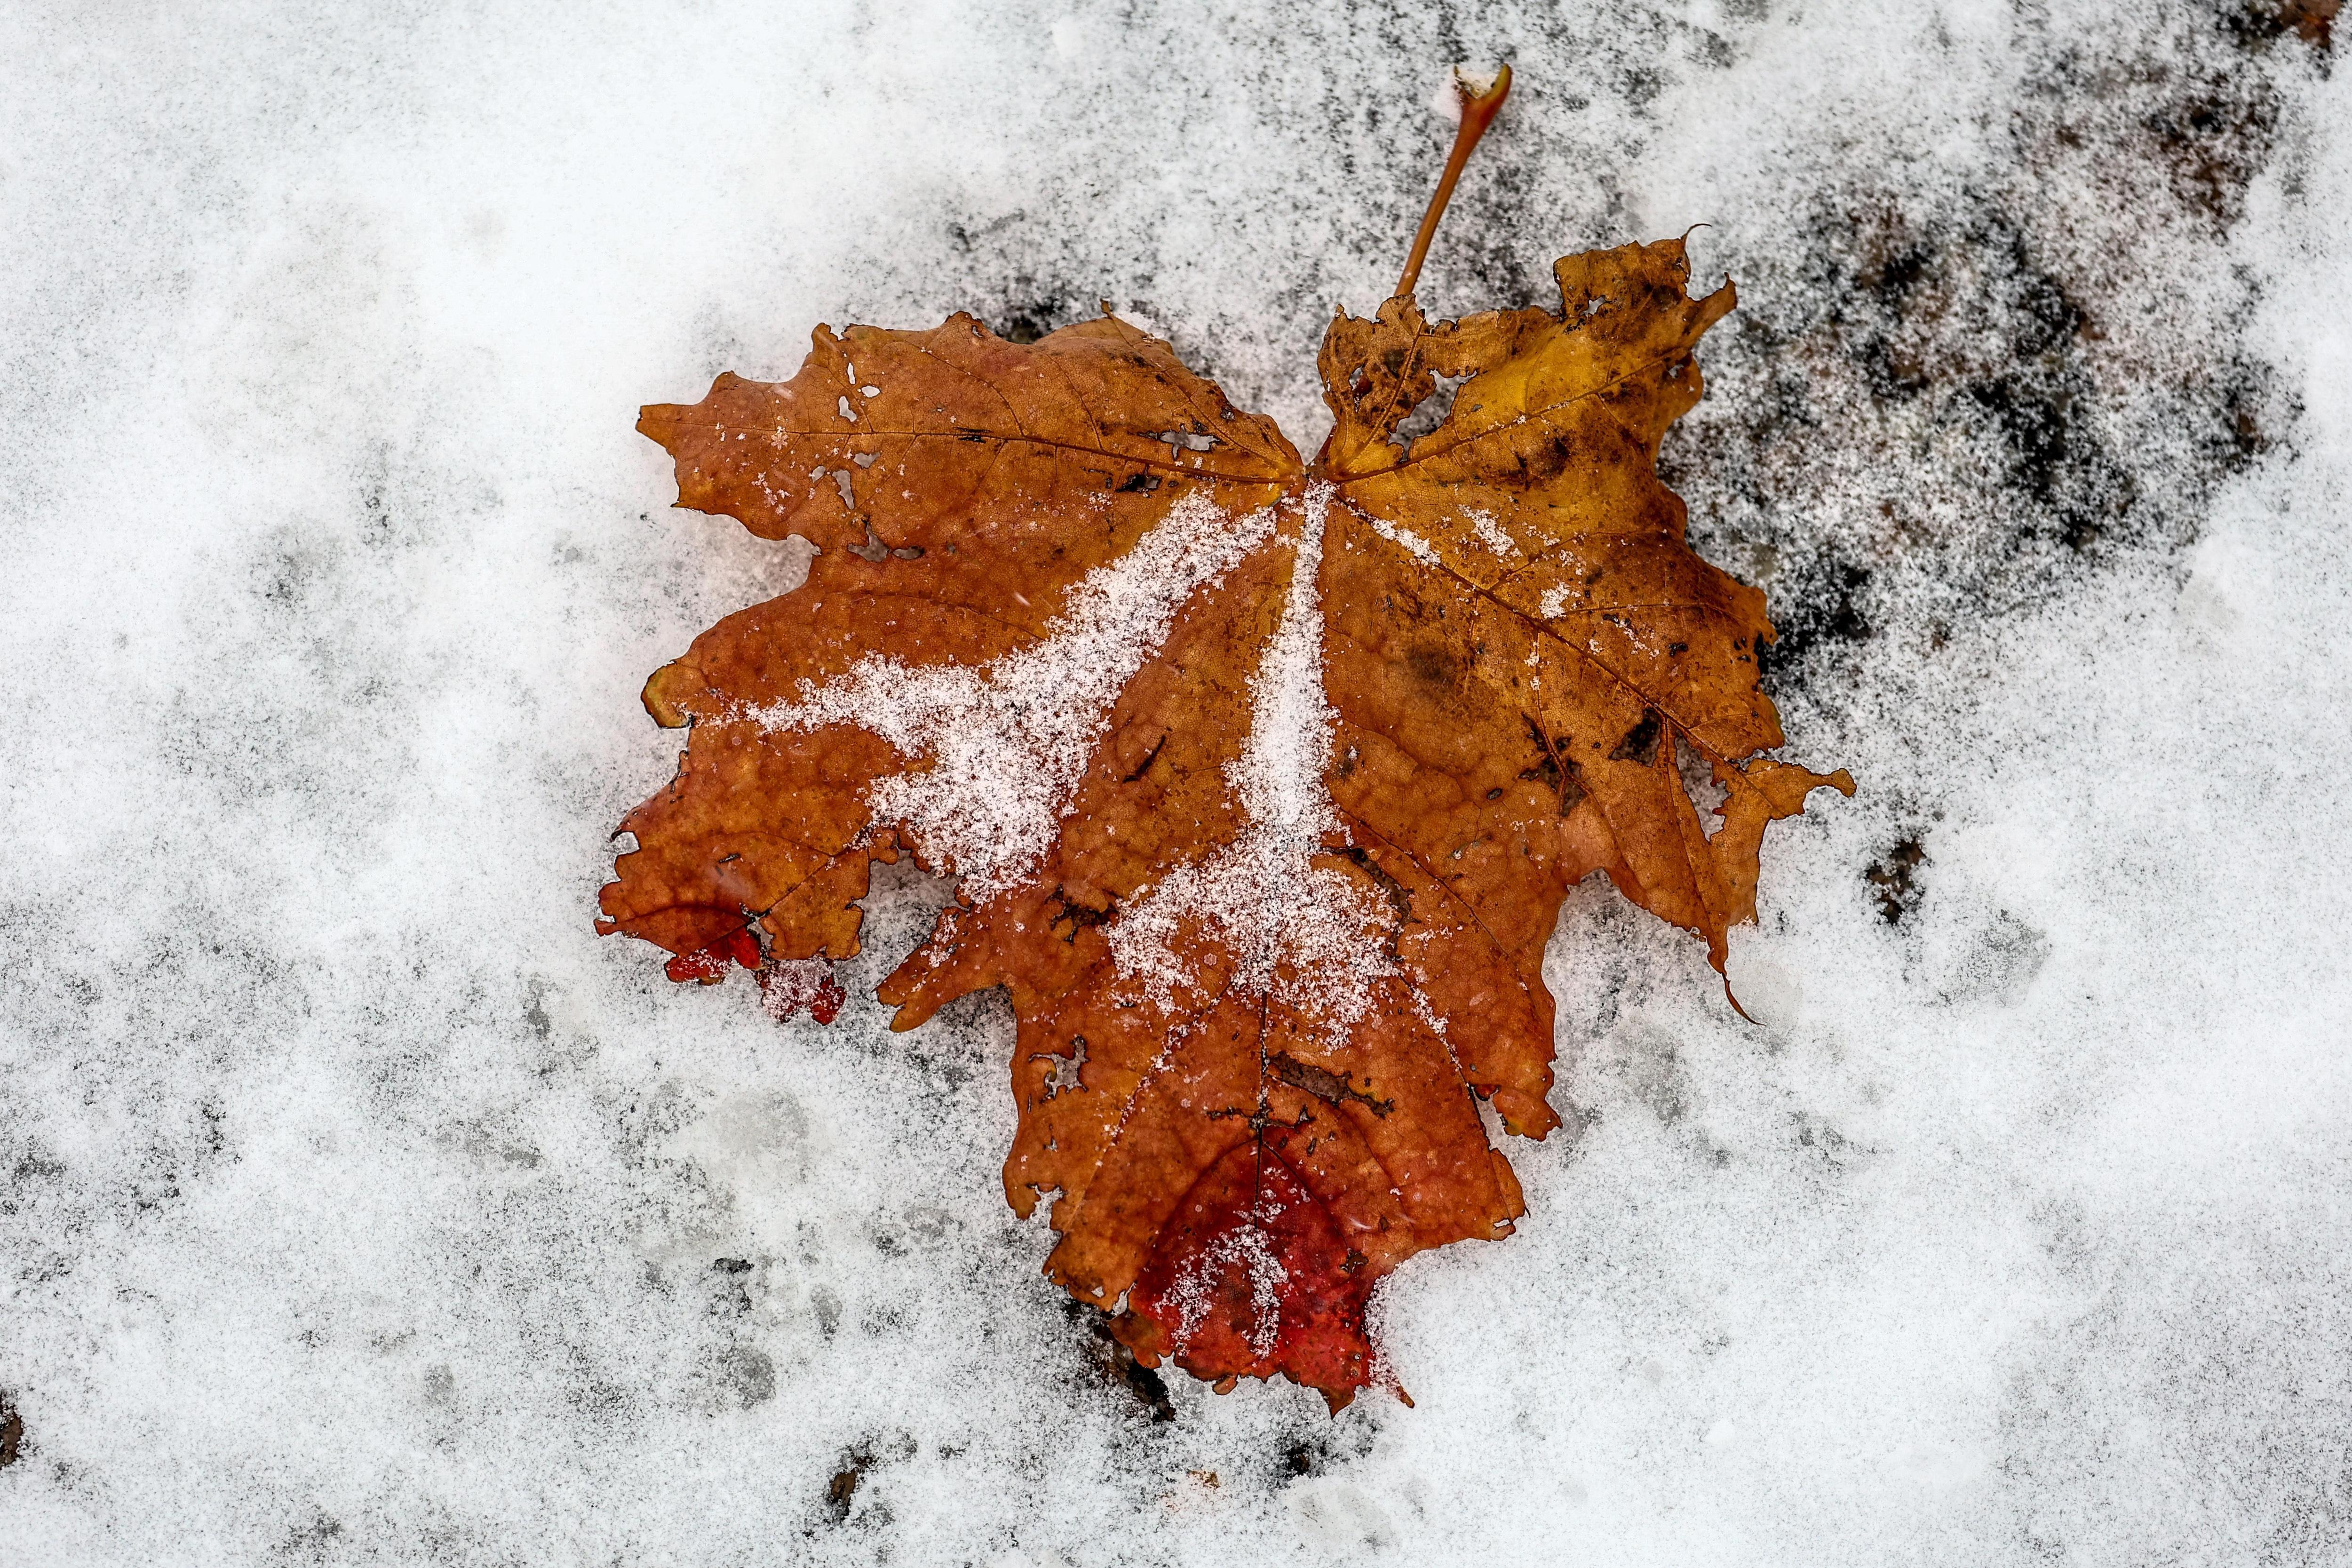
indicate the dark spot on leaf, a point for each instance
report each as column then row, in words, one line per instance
column 1548, row 461
column 1554, row 767
column 1152, row 757
column 1435, row 666
column 1324, row 1084
column 1641, row 742
column 1079, row 915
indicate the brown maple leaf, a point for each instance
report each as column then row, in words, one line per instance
column 1264, row 779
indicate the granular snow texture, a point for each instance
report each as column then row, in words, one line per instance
column 357, row 1204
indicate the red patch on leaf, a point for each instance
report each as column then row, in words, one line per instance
column 709, row 964
column 1253, row 1276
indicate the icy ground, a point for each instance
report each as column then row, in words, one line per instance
column 361, row 1205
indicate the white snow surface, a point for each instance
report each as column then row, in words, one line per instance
column 358, row 1204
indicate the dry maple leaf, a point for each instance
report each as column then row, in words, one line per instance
column 1264, row 779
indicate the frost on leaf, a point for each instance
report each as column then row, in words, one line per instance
column 1264, row 779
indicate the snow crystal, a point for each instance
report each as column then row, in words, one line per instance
column 1397, row 534
column 1490, row 534
column 1195, row 1292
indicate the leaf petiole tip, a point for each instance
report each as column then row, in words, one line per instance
column 1481, row 99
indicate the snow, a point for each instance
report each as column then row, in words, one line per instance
column 1419, row 547
column 1194, row 1293
column 1474, row 80
column 1305, row 933
column 1008, row 742
column 358, row 1204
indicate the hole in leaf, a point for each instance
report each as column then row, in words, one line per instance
column 1063, row 1076
column 1707, row 796
column 1641, row 742
column 1429, row 413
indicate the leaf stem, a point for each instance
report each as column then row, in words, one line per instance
column 1478, row 113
